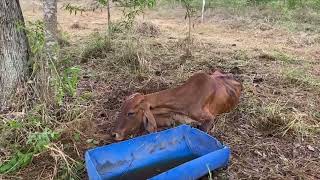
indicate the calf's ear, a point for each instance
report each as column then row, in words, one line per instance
column 149, row 121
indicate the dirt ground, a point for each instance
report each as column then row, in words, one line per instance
column 273, row 133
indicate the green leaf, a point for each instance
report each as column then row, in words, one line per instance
column 76, row 136
column 40, row 140
column 14, row 124
column 102, row 2
column 19, row 160
column 6, row 166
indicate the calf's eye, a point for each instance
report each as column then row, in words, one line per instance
column 130, row 113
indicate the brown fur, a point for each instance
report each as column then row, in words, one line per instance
column 201, row 98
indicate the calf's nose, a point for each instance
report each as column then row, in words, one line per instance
column 114, row 135
column 117, row 136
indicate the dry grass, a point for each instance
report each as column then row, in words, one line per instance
column 147, row 29
column 301, row 77
column 273, row 133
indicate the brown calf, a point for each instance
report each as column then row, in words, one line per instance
column 200, row 99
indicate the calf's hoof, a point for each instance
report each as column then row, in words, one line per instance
column 206, row 127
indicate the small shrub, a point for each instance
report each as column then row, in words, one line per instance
column 35, row 34
column 97, row 47
column 129, row 56
column 63, row 39
column 66, row 84
column 37, row 142
column 132, row 56
column 29, row 131
column 116, row 27
column 40, row 140
column 17, row 161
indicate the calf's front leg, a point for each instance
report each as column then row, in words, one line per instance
column 207, row 125
column 205, row 118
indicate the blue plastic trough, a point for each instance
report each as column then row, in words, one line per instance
column 181, row 153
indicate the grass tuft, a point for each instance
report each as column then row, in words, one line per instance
column 98, row 46
column 300, row 77
column 279, row 120
column 283, row 57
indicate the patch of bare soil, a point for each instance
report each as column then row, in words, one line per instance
column 263, row 142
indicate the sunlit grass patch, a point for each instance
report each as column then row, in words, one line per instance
column 283, row 57
column 301, row 77
column 278, row 119
column 98, row 46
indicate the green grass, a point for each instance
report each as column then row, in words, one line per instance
column 98, row 46
column 283, row 57
column 35, row 128
column 278, row 118
column 294, row 15
column 125, row 63
column 300, row 76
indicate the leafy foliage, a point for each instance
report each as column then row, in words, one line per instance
column 37, row 142
column 40, row 140
column 71, row 79
column 132, row 8
column 98, row 46
column 33, row 132
column 66, row 83
column 190, row 12
column 103, row 2
column 74, row 9
column 35, row 34
column 18, row 161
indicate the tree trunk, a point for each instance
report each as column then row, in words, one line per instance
column 50, row 20
column 13, row 49
column 188, row 50
column 51, row 33
column 202, row 11
column 109, row 18
column 109, row 21
column 51, row 47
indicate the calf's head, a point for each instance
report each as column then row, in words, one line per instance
column 134, row 113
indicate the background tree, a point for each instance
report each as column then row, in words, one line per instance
column 202, row 10
column 50, row 20
column 107, row 3
column 13, row 49
column 190, row 11
column 51, row 44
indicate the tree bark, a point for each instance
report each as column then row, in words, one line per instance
column 109, row 21
column 109, row 18
column 51, row 32
column 202, row 10
column 51, row 48
column 50, row 21
column 188, row 50
column 13, row 49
